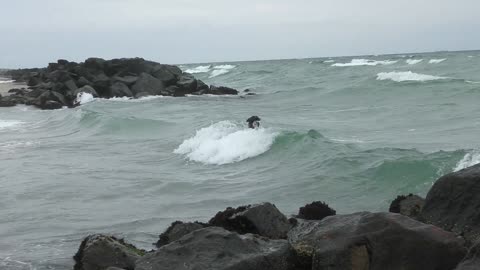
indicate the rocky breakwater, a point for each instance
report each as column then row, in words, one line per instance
column 260, row 237
column 62, row 83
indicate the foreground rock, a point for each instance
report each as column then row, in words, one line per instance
column 410, row 206
column 215, row 248
column 128, row 77
column 263, row 219
column 472, row 260
column 453, row 203
column 177, row 230
column 98, row 252
column 374, row 241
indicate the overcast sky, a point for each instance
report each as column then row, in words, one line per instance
column 34, row 32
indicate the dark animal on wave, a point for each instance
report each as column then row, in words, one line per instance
column 254, row 122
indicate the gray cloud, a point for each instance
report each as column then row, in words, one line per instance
column 36, row 32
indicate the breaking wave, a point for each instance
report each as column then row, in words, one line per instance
column 364, row 62
column 436, row 61
column 220, row 70
column 226, row 142
column 402, row 76
column 199, row 69
column 8, row 81
column 468, row 160
column 413, row 61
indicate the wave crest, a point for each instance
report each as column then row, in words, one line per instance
column 225, row 142
column 364, row 62
column 403, row 76
column 436, row 61
column 470, row 159
column 220, row 70
column 199, row 69
column 413, row 61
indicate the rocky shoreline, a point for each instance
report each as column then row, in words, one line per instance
column 61, row 84
column 440, row 232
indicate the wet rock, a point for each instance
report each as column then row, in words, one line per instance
column 472, row 260
column 375, row 241
column 7, row 102
column 101, row 83
column 149, row 84
column 98, row 252
column 177, row 230
column 163, row 73
column 263, row 219
column 50, row 100
column 82, row 81
column 127, row 80
column 119, row 89
column 315, row 211
column 222, row 90
column 187, row 83
column 215, row 248
column 410, row 205
column 453, row 203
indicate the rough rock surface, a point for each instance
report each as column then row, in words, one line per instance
column 177, row 230
column 315, row 211
column 263, row 219
column 97, row 252
column 410, row 205
column 453, row 203
column 215, row 248
column 472, row 260
column 374, row 241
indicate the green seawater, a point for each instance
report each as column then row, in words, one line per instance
column 352, row 133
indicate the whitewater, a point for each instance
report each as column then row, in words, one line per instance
column 353, row 131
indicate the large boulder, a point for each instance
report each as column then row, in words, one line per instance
column 120, row 89
column 127, row 80
column 453, row 203
column 101, row 83
column 165, row 74
column 215, row 248
column 472, row 260
column 177, row 230
column 410, row 205
column 50, row 100
column 149, row 84
column 263, row 219
column 98, row 252
column 187, row 83
column 374, row 241
column 7, row 102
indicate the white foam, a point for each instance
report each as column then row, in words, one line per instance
column 468, row 160
column 10, row 124
column 413, row 61
column 199, row 69
column 220, row 70
column 436, row 61
column 364, row 62
column 402, row 76
column 83, row 98
column 225, row 142
column 130, row 99
column 8, row 81
column 329, row 61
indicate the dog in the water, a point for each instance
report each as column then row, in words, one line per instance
column 253, row 122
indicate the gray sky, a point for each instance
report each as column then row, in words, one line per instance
column 35, row 32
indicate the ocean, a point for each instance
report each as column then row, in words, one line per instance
column 354, row 132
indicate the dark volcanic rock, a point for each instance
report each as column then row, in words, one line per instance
column 50, row 100
column 472, row 260
column 315, row 211
column 120, row 89
column 149, row 84
column 101, row 83
column 410, row 206
column 218, row 249
column 177, row 230
column 165, row 74
column 82, row 81
column 453, row 203
column 97, row 252
column 187, row 83
column 263, row 219
column 375, row 241
column 127, row 80
column 221, row 90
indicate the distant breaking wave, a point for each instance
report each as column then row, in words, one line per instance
column 9, row 81
column 436, row 61
column 199, row 69
column 225, row 142
column 220, row 70
column 364, row 62
column 413, row 61
column 9, row 124
column 401, row 76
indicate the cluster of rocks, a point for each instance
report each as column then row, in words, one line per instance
column 440, row 232
column 61, row 83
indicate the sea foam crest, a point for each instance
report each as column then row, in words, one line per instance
column 7, row 81
column 220, row 70
column 402, row 76
column 225, row 142
column 364, row 62
column 468, row 160
column 436, row 61
column 413, row 61
column 83, row 98
column 10, row 124
column 199, row 69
